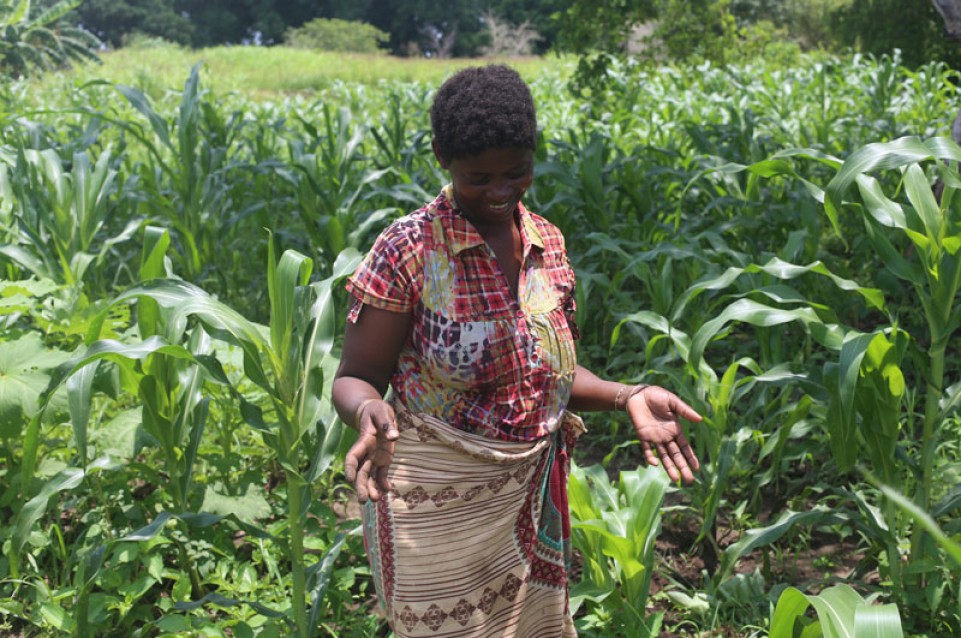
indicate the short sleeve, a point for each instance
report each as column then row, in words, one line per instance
column 388, row 277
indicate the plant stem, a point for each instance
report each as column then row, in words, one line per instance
column 928, row 444
column 297, row 555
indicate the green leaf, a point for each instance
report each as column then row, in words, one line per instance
column 25, row 371
column 887, row 212
column 35, row 508
column 282, row 279
column 321, row 573
column 156, row 241
column 223, row 601
column 248, row 507
column 922, row 518
column 761, row 536
column 79, row 397
column 781, row 269
column 56, row 616
column 841, row 612
column 747, row 311
column 900, row 152
column 877, row 621
column 140, row 102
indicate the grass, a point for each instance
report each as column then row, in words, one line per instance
column 265, row 72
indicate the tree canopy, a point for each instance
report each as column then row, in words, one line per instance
column 701, row 28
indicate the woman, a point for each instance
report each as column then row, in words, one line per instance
column 464, row 308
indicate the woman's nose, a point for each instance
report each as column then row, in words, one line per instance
column 501, row 190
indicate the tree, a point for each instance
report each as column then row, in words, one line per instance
column 254, row 21
column 603, row 27
column 950, row 11
column 880, row 26
column 334, row 34
column 436, row 28
column 703, row 29
column 507, row 39
column 30, row 42
column 539, row 15
column 112, row 20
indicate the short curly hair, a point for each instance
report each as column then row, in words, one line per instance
column 479, row 108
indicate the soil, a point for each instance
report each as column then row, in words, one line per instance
column 810, row 562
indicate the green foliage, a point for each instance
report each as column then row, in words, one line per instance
column 880, row 26
column 841, row 611
column 35, row 40
column 728, row 240
column 614, row 528
column 326, row 34
column 814, row 23
column 698, row 30
column 601, row 26
column 117, row 21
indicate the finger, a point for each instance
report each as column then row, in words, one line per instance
column 688, row 453
column 362, row 484
column 668, row 463
column 354, row 459
column 381, row 475
column 390, row 425
column 350, row 466
column 680, row 462
column 373, row 493
column 684, row 410
column 649, row 455
column 389, row 428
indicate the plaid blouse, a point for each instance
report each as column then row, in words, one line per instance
column 476, row 357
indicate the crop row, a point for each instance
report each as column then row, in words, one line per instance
column 765, row 241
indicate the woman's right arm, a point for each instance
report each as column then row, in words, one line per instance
column 371, row 347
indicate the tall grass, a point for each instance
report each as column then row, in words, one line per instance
column 266, row 72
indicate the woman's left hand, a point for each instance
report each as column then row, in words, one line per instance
column 656, row 415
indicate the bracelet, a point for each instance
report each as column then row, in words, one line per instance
column 637, row 389
column 617, row 397
column 360, row 408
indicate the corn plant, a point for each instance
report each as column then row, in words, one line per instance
column 167, row 378
column 58, row 210
column 932, row 269
column 867, row 383
column 841, row 611
column 187, row 178
column 287, row 364
column 614, row 528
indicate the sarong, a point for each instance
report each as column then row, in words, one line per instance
column 473, row 541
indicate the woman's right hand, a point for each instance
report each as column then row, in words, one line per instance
column 368, row 460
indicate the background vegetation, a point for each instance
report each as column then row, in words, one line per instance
column 776, row 238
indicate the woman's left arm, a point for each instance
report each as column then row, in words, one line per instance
column 655, row 413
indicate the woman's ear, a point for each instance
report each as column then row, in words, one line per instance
column 440, row 158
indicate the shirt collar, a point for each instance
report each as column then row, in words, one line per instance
column 462, row 235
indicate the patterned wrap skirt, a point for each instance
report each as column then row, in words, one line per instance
column 473, row 540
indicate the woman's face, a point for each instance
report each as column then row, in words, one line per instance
column 489, row 185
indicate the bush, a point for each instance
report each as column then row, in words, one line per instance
column 336, row 35
column 813, row 23
column 763, row 39
column 697, row 30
